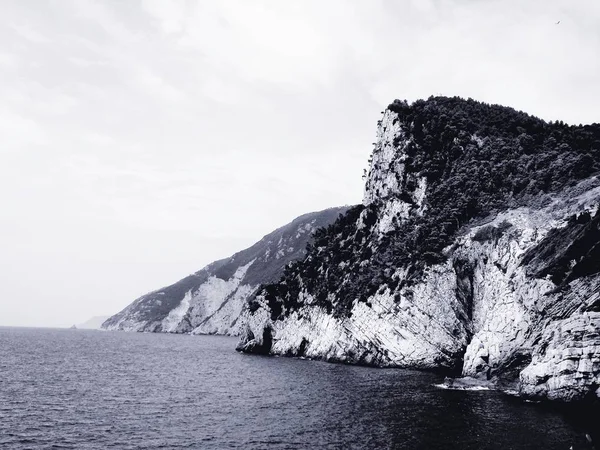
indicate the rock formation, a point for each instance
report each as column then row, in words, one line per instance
column 476, row 249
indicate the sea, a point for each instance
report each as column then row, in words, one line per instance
column 83, row 389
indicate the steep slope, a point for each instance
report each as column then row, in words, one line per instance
column 476, row 249
column 211, row 300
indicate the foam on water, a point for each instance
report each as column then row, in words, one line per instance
column 462, row 388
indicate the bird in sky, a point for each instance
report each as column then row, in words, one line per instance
column 557, row 23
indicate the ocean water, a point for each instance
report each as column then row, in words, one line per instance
column 76, row 389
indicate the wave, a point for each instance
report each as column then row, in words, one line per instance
column 461, row 387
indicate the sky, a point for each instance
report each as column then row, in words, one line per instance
column 141, row 140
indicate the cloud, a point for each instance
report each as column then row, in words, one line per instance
column 156, row 85
column 284, row 48
column 107, row 19
column 8, row 60
column 30, row 34
column 86, row 63
column 177, row 130
column 170, row 15
column 18, row 132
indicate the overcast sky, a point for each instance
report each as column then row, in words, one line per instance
column 141, row 140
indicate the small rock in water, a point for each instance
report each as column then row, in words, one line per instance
column 465, row 384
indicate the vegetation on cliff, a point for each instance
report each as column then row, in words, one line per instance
column 477, row 159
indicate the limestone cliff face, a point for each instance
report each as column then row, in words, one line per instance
column 212, row 300
column 447, row 264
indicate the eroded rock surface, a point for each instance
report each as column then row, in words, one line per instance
column 469, row 252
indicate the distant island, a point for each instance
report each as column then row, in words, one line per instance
column 93, row 323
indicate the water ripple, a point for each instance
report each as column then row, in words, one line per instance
column 73, row 389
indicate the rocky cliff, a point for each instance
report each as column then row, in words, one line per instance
column 476, row 249
column 211, row 300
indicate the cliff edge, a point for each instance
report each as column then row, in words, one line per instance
column 476, row 249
